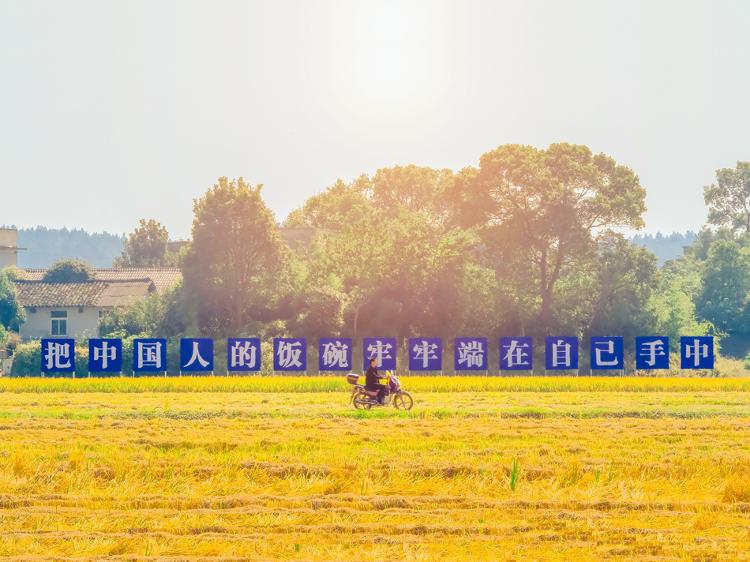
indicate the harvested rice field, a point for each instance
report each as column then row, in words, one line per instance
column 278, row 468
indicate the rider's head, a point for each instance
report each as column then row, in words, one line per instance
column 373, row 362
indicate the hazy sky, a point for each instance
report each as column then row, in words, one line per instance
column 112, row 111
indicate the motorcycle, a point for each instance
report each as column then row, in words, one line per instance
column 364, row 399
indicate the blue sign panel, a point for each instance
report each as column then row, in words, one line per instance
column 651, row 352
column 289, row 354
column 243, row 355
column 105, row 355
column 149, row 355
column 196, row 354
column 470, row 354
column 383, row 350
column 58, row 355
column 561, row 353
column 335, row 354
column 697, row 352
column 425, row 354
column 607, row 353
column 516, row 354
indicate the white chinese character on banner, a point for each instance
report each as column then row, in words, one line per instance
column 424, row 351
column 289, row 354
column 471, row 354
column 148, row 354
column 696, row 351
column 196, row 356
column 561, row 356
column 105, row 353
column 652, row 349
column 379, row 350
column 243, row 354
column 57, row 356
column 336, row 354
column 517, row 354
column 607, row 347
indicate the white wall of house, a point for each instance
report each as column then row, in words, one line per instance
column 8, row 255
column 83, row 324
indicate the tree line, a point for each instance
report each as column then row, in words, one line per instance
column 529, row 242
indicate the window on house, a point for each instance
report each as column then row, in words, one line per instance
column 59, row 319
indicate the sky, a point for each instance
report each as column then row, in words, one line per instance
column 115, row 111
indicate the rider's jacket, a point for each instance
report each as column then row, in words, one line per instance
column 371, row 377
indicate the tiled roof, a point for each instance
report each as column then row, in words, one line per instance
column 86, row 293
column 164, row 278
column 124, row 293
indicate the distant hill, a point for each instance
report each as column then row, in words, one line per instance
column 666, row 247
column 44, row 246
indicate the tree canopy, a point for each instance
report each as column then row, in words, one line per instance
column 11, row 311
column 728, row 199
column 146, row 246
column 69, row 271
column 538, row 212
column 234, row 271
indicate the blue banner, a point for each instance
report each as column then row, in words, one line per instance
column 516, row 354
column 58, row 355
column 335, row 354
column 105, row 355
column 425, row 354
column 383, row 350
column 243, row 355
column 289, row 354
column 197, row 355
column 697, row 352
column 470, row 354
column 149, row 355
column 561, row 353
column 651, row 352
column 607, row 353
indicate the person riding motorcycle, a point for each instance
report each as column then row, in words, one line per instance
column 372, row 381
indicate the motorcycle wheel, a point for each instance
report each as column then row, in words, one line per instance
column 403, row 401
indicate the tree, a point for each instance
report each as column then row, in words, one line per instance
column 68, row 271
column 416, row 189
column 12, row 314
column 338, row 206
column 540, row 209
column 158, row 315
column 728, row 199
column 723, row 299
column 673, row 302
column 146, row 246
column 235, row 269
column 626, row 277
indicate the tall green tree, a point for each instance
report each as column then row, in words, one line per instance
column 728, row 199
column 146, row 246
column 723, row 299
column 540, row 210
column 627, row 277
column 236, row 267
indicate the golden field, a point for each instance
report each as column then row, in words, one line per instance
column 284, row 468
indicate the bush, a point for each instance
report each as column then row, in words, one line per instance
column 68, row 271
column 27, row 361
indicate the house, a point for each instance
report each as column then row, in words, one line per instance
column 74, row 309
